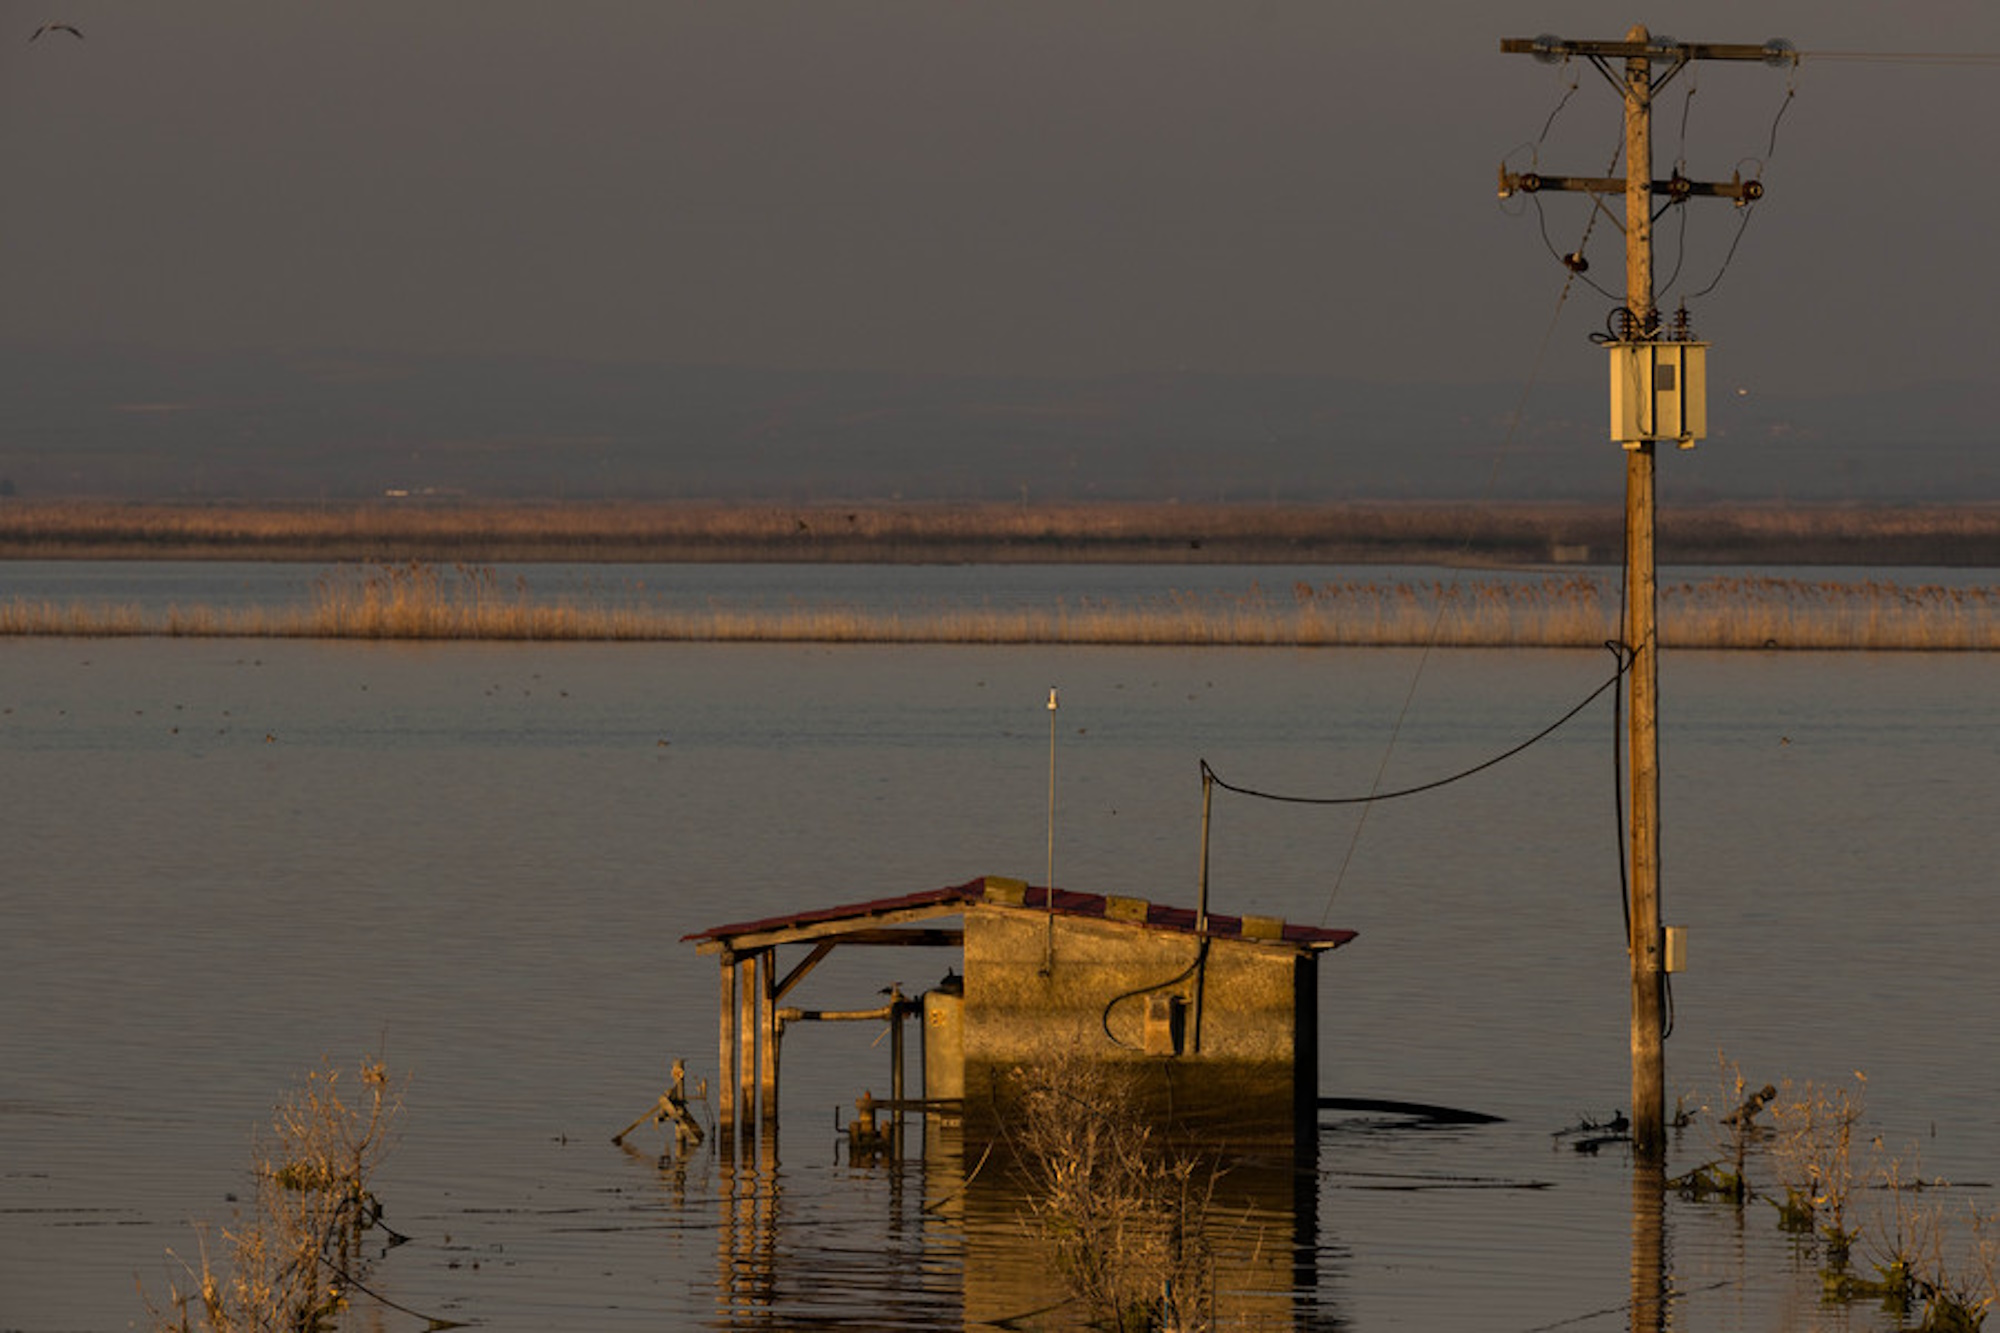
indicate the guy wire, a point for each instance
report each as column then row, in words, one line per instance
column 1430, row 639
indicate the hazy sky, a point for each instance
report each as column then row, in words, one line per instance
column 1043, row 186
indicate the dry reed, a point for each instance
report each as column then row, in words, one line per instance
column 1326, row 533
column 1852, row 1195
column 418, row 600
column 1816, row 1161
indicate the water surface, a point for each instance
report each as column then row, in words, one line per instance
column 227, row 860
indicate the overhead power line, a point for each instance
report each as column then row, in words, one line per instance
column 1908, row 57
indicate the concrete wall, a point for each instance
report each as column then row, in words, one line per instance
column 1247, row 1072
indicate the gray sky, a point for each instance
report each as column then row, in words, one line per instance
column 1040, row 186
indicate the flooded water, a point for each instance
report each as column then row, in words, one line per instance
column 228, row 860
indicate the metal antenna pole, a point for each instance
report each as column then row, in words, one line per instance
column 1049, row 961
column 1201, row 901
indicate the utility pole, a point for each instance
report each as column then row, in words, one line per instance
column 1658, row 392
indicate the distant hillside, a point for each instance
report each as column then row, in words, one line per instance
column 122, row 424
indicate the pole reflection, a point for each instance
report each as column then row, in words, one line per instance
column 1651, row 1279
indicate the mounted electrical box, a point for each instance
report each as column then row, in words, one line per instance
column 1659, row 391
column 1166, row 1024
column 1674, row 949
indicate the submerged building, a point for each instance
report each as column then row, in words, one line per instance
column 1213, row 1019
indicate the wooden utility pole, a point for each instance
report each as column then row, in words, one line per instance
column 1649, row 1009
column 1658, row 385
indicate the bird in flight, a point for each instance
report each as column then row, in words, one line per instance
column 69, row 28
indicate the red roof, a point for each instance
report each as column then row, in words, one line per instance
column 942, row 902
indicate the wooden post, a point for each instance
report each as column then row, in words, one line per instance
column 746, row 1080
column 726, row 1055
column 1641, row 579
column 896, row 1063
column 767, row 1034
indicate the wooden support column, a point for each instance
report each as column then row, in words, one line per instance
column 767, row 1036
column 896, row 1063
column 726, row 1052
column 747, row 996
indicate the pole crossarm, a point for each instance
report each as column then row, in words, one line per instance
column 1674, row 187
column 1777, row 51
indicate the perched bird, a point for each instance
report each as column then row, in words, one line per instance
column 69, row 28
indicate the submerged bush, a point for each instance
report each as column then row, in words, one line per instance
column 290, row 1259
column 1127, row 1219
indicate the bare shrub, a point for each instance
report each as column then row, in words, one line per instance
column 289, row 1262
column 1816, row 1163
column 1127, row 1218
column 1726, row 1176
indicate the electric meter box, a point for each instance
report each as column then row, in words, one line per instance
column 1674, row 949
column 1659, row 391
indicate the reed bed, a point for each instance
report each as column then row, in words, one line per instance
column 420, row 601
column 1334, row 532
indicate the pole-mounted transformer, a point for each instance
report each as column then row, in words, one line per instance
column 1659, row 392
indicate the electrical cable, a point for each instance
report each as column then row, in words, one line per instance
column 1680, row 254
column 1104, row 1018
column 1625, row 659
column 1574, row 261
column 1791, row 92
column 1618, row 802
column 1542, row 219
column 1748, row 206
column 1618, row 799
column 1687, row 106
column 1568, row 93
column 1618, row 743
column 1742, row 225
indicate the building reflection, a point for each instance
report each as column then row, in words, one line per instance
column 942, row 1231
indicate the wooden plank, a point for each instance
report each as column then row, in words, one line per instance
column 811, row 932
column 798, row 974
column 925, row 939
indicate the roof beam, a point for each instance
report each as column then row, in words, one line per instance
column 868, row 931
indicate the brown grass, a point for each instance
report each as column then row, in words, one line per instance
column 415, row 600
column 392, row 530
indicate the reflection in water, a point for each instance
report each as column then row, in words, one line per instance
column 949, row 1214
column 748, row 1240
column 1651, row 1297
